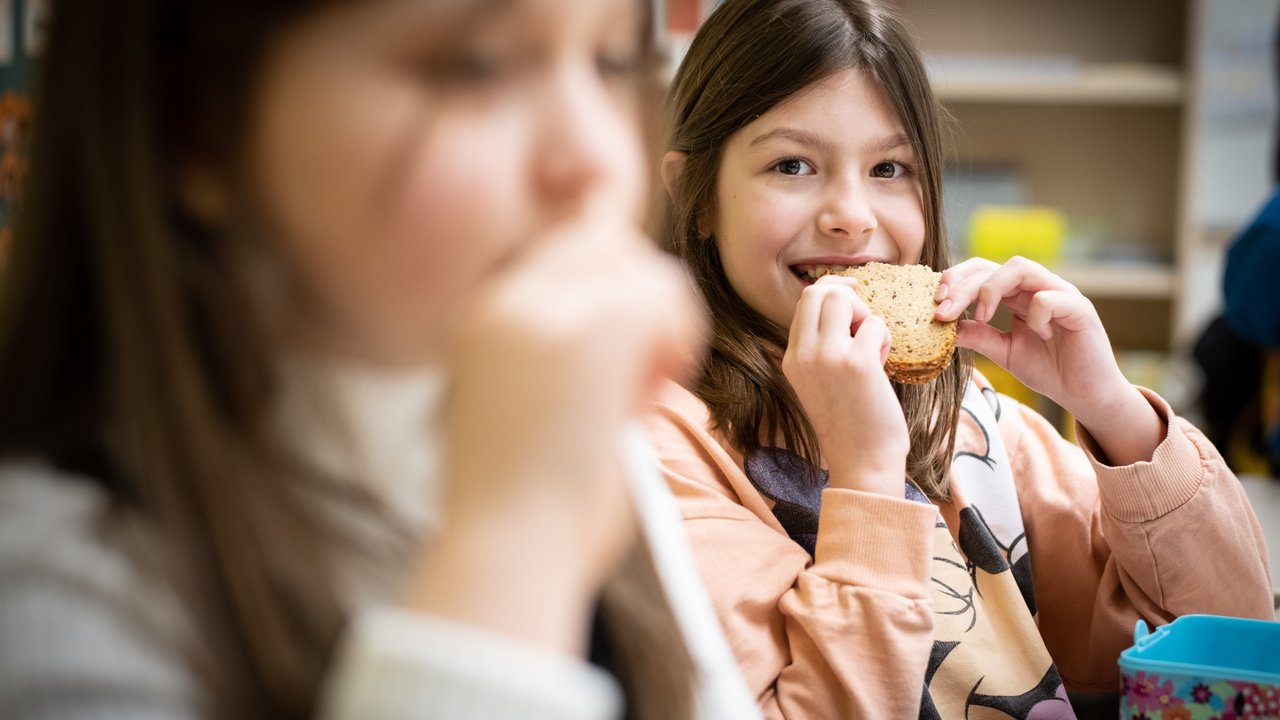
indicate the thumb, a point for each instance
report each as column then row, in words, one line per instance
column 986, row 340
column 682, row 326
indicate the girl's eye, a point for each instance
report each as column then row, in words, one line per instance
column 617, row 65
column 793, row 166
column 888, row 170
column 472, row 69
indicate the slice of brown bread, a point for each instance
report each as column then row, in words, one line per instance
column 902, row 295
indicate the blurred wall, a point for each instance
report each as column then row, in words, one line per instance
column 1233, row 141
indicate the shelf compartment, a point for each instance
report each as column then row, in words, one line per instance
column 1119, row 282
column 1097, row 84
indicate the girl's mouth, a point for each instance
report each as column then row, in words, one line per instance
column 809, row 274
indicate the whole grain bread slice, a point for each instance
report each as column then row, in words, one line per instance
column 902, row 295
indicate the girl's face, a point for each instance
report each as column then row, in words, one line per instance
column 404, row 151
column 826, row 177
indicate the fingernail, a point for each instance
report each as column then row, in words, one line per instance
column 942, row 292
column 944, row 307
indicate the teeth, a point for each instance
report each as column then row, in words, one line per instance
column 816, row 271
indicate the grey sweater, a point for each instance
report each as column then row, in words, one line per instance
column 81, row 634
column 85, row 635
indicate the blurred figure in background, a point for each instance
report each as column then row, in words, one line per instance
column 1233, row 351
column 1253, row 305
column 1251, row 325
column 320, row 309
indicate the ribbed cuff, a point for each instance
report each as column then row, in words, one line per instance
column 875, row 541
column 400, row 665
column 1150, row 489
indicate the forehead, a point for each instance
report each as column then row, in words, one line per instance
column 848, row 96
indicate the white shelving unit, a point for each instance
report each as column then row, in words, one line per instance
column 1104, row 282
column 1099, row 84
column 1087, row 105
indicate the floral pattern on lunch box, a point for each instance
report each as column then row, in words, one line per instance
column 1148, row 696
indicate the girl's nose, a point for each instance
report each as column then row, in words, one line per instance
column 584, row 143
column 847, row 210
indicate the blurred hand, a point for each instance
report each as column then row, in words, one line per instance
column 835, row 362
column 1056, row 346
column 559, row 353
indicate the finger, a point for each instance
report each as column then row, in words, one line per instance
column 686, row 325
column 1018, row 303
column 805, row 322
column 845, row 280
column 573, row 253
column 956, row 274
column 1014, row 277
column 586, row 241
column 872, row 339
column 1048, row 308
column 835, row 322
column 964, row 289
column 984, row 339
column 651, row 307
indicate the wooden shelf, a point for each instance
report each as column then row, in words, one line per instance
column 1119, row 281
column 1090, row 84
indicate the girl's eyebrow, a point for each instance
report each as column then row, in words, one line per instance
column 893, row 142
column 818, row 142
column 796, row 135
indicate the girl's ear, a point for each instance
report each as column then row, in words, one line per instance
column 673, row 178
column 672, row 171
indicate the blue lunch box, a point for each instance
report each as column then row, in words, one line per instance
column 1200, row 667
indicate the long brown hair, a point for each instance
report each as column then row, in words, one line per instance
column 748, row 57
column 135, row 353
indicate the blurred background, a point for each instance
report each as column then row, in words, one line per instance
column 21, row 29
column 1123, row 145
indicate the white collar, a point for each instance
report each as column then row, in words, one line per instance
column 382, row 428
column 375, row 426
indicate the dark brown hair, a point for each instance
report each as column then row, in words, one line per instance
column 135, row 353
column 748, row 57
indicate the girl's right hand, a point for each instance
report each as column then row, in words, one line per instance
column 558, row 355
column 835, row 362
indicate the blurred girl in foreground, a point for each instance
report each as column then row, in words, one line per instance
column 319, row 308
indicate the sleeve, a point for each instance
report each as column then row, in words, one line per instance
column 1248, row 285
column 83, row 636
column 400, row 665
column 834, row 637
column 1110, row 545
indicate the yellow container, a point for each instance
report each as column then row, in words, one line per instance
column 998, row 232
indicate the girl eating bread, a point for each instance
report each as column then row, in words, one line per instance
column 930, row 548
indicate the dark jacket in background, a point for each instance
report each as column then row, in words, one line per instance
column 1251, row 283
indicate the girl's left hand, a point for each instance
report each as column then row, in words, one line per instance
column 1056, row 346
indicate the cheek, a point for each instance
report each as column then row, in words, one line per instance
column 753, row 229
column 437, row 222
column 432, row 237
column 754, row 226
column 387, row 227
column 905, row 223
